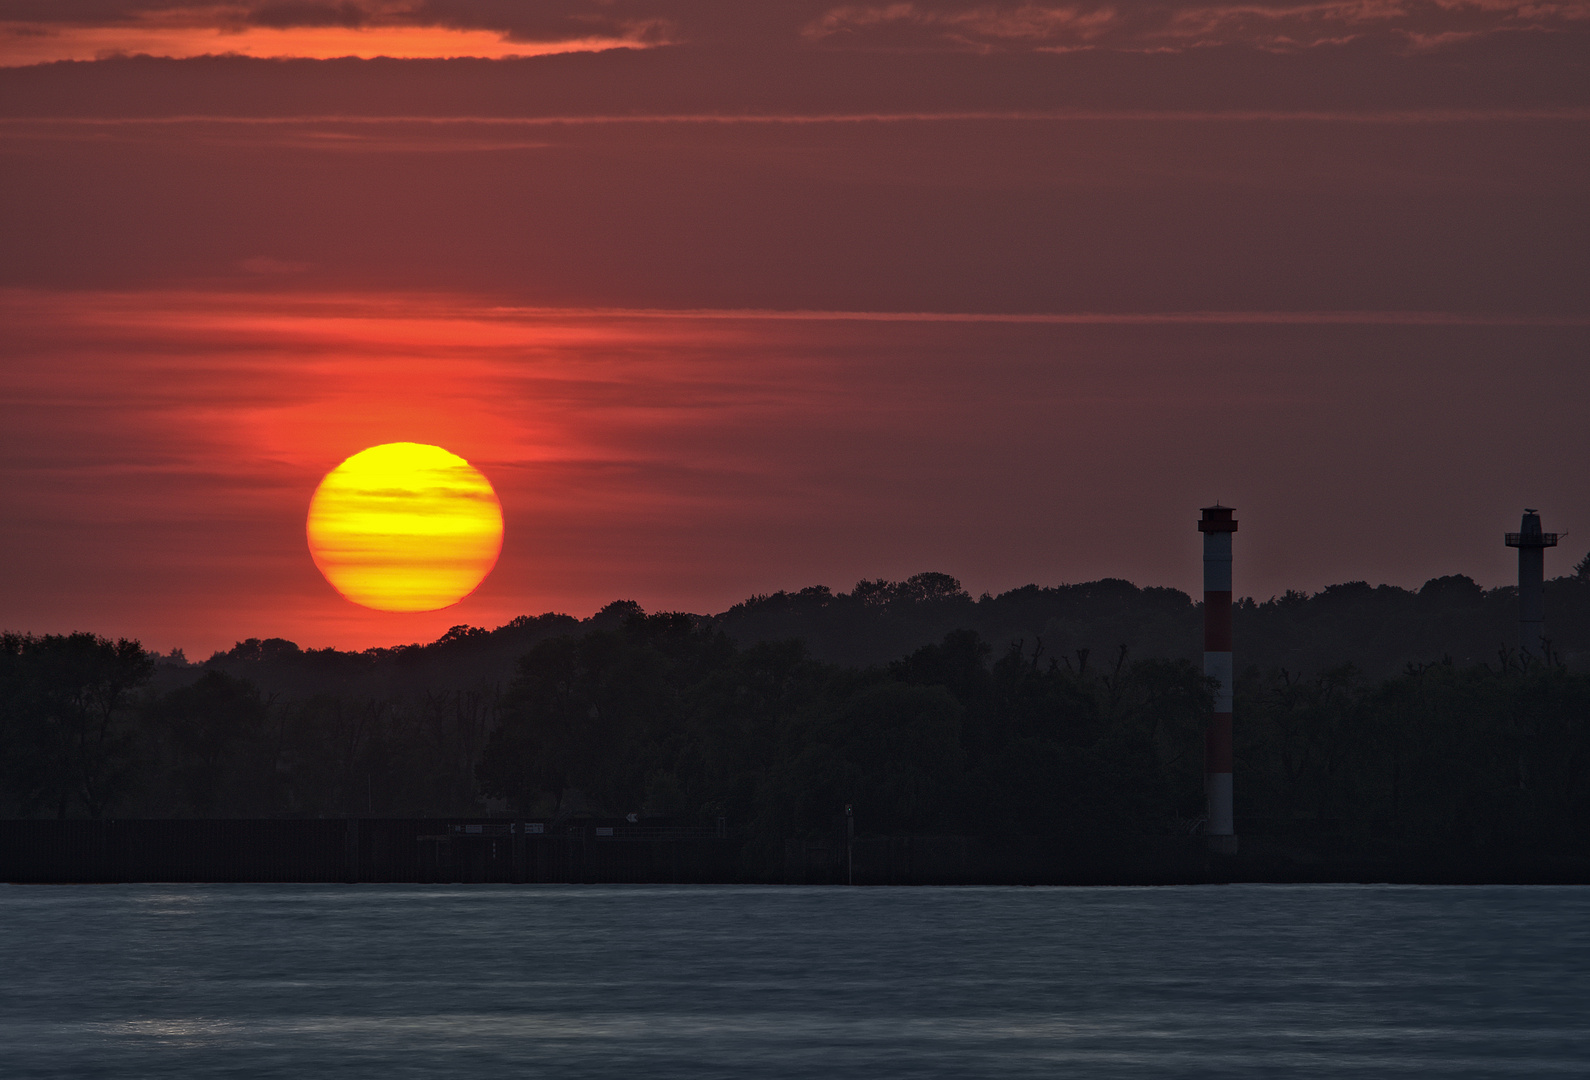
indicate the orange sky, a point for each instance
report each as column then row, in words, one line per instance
column 690, row 461
column 786, row 298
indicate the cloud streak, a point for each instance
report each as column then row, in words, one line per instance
column 1435, row 115
column 1278, row 26
column 19, row 49
column 32, row 32
column 1082, row 318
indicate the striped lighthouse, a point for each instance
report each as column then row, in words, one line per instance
column 1217, row 526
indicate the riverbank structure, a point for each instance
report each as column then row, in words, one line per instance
column 1217, row 525
column 1531, row 544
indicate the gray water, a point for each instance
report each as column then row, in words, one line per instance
column 652, row 981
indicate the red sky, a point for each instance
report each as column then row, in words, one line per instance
column 765, row 300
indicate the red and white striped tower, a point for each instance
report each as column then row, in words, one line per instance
column 1217, row 526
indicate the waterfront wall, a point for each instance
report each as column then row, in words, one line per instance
column 355, row 850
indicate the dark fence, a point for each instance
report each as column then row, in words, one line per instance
column 464, row 850
column 357, row 850
column 974, row 860
column 473, row 850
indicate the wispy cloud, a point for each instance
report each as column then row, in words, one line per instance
column 971, row 25
column 1135, row 26
column 419, row 321
column 53, row 127
column 32, row 33
column 318, row 43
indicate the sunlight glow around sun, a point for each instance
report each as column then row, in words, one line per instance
column 405, row 527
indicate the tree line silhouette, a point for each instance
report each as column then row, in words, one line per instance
column 1072, row 714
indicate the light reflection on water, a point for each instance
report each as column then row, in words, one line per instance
column 623, row 981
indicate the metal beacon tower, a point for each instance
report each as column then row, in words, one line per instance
column 1217, row 526
column 1531, row 544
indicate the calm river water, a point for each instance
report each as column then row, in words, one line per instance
column 652, row 981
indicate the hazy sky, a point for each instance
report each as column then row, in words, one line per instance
column 726, row 298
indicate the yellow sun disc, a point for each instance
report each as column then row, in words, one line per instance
column 405, row 527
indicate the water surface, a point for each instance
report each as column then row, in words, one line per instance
column 705, row 981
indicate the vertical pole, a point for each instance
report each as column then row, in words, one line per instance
column 1217, row 526
column 1531, row 589
column 1531, row 601
column 850, row 845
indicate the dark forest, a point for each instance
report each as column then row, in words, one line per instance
column 1369, row 719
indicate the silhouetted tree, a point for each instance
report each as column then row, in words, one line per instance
column 596, row 714
column 67, row 732
column 928, row 710
column 208, row 730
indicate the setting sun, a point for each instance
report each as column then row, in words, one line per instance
column 405, row 527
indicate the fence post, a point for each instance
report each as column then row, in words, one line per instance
column 350, row 853
column 850, row 845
